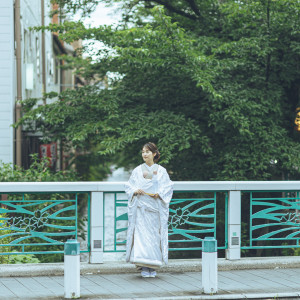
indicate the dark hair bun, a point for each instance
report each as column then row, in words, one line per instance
column 153, row 148
column 157, row 156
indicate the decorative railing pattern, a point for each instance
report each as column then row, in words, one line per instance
column 240, row 214
column 37, row 223
column 190, row 220
column 115, row 221
column 274, row 219
column 192, row 217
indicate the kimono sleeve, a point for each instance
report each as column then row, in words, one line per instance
column 131, row 184
column 165, row 189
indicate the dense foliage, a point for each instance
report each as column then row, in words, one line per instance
column 38, row 171
column 214, row 83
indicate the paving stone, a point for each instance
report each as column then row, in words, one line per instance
column 50, row 285
column 5, row 291
column 16, row 287
column 175, row 285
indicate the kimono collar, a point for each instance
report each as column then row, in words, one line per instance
column 150, row 168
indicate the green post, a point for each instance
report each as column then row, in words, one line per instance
column 72, row 247
column 209, row 244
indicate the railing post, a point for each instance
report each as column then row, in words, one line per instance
column 96, row 230
column 233, row 250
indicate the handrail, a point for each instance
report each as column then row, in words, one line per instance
column 102, row 186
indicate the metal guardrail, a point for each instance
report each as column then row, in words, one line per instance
column 38, row 215
column 274, row 220
column 39, row 223
column 192, row 217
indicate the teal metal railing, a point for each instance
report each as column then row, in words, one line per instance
column 192, row 217
column 37, row 218
column 274, row 220
column 40, row 223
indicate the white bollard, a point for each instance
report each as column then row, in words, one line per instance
column 72, row 269
column 209, row 266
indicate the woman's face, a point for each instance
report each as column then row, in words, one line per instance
column 147, row 155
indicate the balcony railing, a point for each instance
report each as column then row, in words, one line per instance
column 37, row 218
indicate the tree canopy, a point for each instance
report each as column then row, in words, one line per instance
column 214, row 83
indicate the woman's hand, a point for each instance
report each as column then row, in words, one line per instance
column 139, row 192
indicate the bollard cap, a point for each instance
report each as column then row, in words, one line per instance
column 72, row 247
column 209, row 244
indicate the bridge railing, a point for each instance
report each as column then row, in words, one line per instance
column 38, row 217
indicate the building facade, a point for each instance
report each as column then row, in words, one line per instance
column 29, row 66
column 7, row 87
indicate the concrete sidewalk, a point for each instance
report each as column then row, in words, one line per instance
column 175, row 265
column 249, row 278
column 236, row 284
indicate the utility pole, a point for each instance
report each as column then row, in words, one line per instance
column 18, row 131
column 44, row 90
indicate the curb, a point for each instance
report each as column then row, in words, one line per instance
column 227, row 296
column 269, row 296
column 176, row 265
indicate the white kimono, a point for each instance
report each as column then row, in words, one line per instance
column 147, row 235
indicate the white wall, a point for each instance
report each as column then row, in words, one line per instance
column 31, row 53
column 6, row 80
column 32, row 49
column 32, row 46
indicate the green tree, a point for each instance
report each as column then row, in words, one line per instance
column 38, row 171
column 214, row 83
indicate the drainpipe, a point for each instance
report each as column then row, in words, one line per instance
column 18, row 132
column 43, row 51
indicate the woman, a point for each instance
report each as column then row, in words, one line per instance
column 149, row 192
